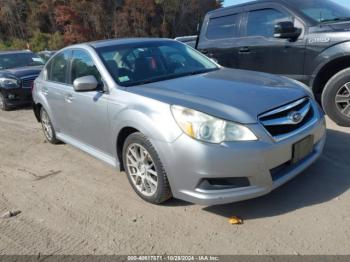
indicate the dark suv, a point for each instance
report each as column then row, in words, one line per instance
column 18, row 70
column 308, row 40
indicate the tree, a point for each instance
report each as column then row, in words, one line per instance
column 73, row 30
column 55, row 23
column 137, row 19
column 56, row 41
column 39, row 41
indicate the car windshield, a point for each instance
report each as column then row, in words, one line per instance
column 323, row 11
column 15, row 60
column 143, row 63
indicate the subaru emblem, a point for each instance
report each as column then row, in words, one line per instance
column 295, row 117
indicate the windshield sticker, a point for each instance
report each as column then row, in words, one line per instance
column 124, row 78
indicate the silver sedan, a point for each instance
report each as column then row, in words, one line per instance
column 176, row 122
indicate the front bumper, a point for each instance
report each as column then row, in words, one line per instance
column 265, row 163
column 18, row 96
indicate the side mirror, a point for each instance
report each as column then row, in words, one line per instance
column 286, row 30
column 85, row 84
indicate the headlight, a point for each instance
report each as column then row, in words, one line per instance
column 208, row 128
column 7, row 82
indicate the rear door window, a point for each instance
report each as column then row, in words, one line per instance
column 262, row 22
column 223, row 27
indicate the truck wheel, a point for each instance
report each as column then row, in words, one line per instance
column 336, row 98
column 145, row 171
column 3, row 104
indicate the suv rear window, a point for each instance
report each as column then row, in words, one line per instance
column 223, row 27
column 262, row 22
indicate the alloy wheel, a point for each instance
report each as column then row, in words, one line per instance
column 141, row 169
column 46, row 124
column 342, row 100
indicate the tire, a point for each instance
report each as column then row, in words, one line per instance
column 49, row 131
column 336, row 98
column 142, row 175
column 3, row 104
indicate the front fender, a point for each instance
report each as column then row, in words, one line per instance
column 154, row 121
column 328, row 55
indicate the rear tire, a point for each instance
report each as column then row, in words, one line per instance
column 336, row 98
column 144, row 169
column 3, row 104
column 47, row 126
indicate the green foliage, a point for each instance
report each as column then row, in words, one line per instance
column 18, row 44
column 56, row 41
column 3, row 46
column 39, row 41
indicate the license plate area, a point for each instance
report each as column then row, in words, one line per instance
column 302, row 149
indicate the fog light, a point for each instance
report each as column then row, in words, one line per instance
column 223, row 183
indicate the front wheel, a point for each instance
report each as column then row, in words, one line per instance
column 47, row 126
column 145, row 171
column 336, row 98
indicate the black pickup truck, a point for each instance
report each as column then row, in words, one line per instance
column 307, row 40
column 18, row 70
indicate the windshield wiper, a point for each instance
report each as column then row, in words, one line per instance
column 336, row 19
column 199, row 72
column 168, row 77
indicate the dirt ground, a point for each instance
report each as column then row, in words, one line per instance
column 72, row 203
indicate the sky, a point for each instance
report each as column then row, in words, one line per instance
column 235, row 2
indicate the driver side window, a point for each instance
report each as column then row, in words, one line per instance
column 262, row 22
column 83, row 65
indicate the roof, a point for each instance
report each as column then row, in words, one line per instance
column 239, row 5
column 122, row 41
column 186, row 38
column 285, row 2
column 15, row 52
column 288, row 3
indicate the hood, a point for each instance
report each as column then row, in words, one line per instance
column 22, row 71
column 230, row 94
column 340, row 26
column 334, row 27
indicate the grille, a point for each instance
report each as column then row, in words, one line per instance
column 285, row 121
column 27, row 82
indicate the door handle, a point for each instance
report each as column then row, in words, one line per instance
column 204, row 51
column 244, row 50
column 69, row 98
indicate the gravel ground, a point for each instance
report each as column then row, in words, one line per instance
column 72, row 203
